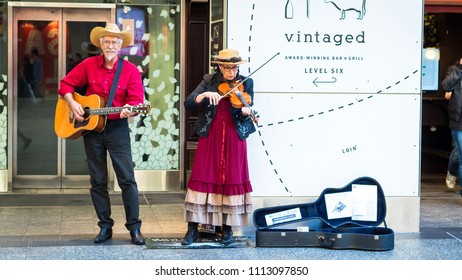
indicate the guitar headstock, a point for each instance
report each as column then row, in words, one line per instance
column 143, row 109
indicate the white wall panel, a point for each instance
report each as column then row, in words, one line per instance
column 343, row 105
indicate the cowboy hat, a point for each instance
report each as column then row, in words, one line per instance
column 111, row 29
column 228, row 57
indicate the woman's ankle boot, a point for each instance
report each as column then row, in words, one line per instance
column 191, row 234
column 227, row 235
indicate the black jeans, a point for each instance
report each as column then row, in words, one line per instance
column 115, row 139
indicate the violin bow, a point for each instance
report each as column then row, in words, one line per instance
column 240, row 83
column 253, row 113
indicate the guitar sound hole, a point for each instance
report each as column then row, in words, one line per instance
column 86, row 115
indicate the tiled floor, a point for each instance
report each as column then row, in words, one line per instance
column 61, row 226
column 68, row 215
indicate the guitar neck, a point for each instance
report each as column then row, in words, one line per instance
column 106, row 111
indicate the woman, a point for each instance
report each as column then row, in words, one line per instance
column 219, row 189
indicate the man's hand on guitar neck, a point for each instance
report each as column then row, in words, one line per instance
column 126, row 112
column 76, row 107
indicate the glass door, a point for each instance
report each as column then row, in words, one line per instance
column 48, row 42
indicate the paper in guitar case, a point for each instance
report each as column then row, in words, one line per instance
column 341, row 218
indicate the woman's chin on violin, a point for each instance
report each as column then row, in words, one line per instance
column 219, row 189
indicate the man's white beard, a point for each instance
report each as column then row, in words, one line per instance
column 110, row 55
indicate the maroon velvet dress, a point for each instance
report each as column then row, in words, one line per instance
column 219, row 190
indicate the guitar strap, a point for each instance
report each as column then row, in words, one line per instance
column 115, row 82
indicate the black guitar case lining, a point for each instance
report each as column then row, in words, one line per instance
column 350, row 216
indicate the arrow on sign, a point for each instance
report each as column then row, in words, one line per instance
column 316, row 82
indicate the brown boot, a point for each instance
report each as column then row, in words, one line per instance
column 227, row 235
column 191, row 234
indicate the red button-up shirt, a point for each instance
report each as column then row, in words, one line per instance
column 98, row 78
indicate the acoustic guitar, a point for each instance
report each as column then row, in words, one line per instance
column 94, row 117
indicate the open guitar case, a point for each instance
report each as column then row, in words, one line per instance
column 341, row 218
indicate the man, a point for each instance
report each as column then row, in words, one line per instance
column 97, row 73
column 451, row 83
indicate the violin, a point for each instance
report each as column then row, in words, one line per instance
column 237, row 96
column 236, row 92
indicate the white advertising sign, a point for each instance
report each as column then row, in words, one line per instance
column 352, row 46
column 338, row 91
column 308, row 142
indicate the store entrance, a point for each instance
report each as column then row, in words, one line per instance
column 47, row 43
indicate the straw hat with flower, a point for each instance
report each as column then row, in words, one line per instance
column 228, row 57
